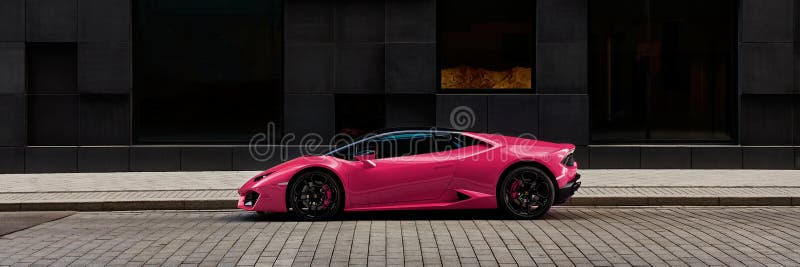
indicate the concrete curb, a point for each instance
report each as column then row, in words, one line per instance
column 194, row 204
column 683, row 201
column 215, row 204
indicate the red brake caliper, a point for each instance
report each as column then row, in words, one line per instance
column 328, row 195
column 514, row 193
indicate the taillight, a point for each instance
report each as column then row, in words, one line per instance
column 569, row 160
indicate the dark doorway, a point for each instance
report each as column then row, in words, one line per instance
column 663, row 70
column 206, row 71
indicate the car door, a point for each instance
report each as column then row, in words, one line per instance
column 406, row 168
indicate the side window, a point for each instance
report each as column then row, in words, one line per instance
column 449, row 141
column 446, row 141
column 405, row 144
column 359, row 149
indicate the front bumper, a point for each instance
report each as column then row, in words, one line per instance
column 267, row 199
column 568, row 190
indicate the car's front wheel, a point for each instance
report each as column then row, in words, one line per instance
column 526, row 192
column 315, row 195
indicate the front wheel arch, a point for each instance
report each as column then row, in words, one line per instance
column 310, row 169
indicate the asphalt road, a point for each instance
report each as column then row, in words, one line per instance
column 567, row 236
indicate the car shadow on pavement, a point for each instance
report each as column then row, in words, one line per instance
column 398, row 215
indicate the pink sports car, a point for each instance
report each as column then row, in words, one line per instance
column 419, row 170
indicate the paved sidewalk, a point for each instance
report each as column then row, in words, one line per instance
column 566, row 236
column 216, row 190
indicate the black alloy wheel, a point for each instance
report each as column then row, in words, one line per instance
column 526, row 193
column 315, row 195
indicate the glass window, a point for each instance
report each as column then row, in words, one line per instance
column 662, row 70
column 485, row 45
column 404, row 144
column 206, row 71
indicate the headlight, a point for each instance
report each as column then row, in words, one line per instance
column 258, row 178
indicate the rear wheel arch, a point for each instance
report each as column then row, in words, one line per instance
column 527, row 163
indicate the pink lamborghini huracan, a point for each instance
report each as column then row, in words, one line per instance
column 419, row 170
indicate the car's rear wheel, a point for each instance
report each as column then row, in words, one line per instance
column 315, row 195
column 526, row 192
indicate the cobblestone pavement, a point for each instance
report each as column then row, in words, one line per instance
column 566, row 236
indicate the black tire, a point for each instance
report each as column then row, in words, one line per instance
column 315, row 195
column 526, row 193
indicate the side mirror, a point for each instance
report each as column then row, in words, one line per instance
column 366, row 160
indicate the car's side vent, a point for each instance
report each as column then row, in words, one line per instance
column 462, row 196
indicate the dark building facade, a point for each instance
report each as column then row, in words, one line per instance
column 171, row 85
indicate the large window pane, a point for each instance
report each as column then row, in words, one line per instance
column 662, row 70
column 206, row 71
column 485, row 45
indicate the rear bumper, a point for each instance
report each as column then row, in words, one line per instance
column 569, row 189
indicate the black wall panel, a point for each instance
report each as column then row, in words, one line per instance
column 615, row 157
column 155, row 159
column 104, row 120
column 360, row 68
column 306, row 114
column 309, row 21
column 103, row 159
column 360, row 21
column 12, row 21
column 104, row 67
column 716, row 157
column 513, row 114
column 52, row 120
column 309, row 68
column 12, row 159
column 12, row 68
column 462, row 112
column 564, row 118
column 766, row 120
column 768, row 158
column 767, row 68
column 51, row 20
column 411, row 68
column 767, row 21
column 12, row 120
column 410, row 110
column 561, row 21
column 51, row 159
column 51, row 67
column 104, row 20
column 582, row 157
column 797, row 158
column 411, row 21
column 666, row 158
column 561, row 68
column 264, row 157
column 206, row 159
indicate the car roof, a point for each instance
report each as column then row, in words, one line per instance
column 406, row 129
